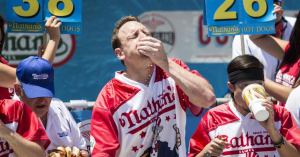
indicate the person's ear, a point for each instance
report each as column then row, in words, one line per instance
column 119, row 53
column 231, row 87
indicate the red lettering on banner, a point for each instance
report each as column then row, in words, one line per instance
column 222, row 41
column 201, row 33
column 136, row 117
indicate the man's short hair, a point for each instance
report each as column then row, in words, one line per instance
column 116, row 43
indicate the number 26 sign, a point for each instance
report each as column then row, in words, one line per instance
column 231, row 17
column 30, row 15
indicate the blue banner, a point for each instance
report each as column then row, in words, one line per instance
column 68, row 11
column 30, row 15
column 24, row 16
column 232, row 17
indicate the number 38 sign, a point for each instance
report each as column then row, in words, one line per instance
column 30, row 15
column 231, row 17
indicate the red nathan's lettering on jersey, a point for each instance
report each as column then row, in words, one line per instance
column 247, row 140
column 162, row 104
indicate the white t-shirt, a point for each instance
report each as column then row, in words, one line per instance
column 61, row 128
column 293, row 104
column 270, row 63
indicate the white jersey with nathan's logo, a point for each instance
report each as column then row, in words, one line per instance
column 246, row 137
column 145, row 120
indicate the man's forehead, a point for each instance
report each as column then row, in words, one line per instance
column 130, row 27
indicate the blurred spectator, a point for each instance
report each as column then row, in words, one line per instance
column 284, row 26
column 35, row 87
column 288, row 52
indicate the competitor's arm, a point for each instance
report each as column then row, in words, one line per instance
column 288, row 132
column 278, row 91
column 21, row 146
column 274, row 46
column 286, row 149
column 200, row 139
column 199, row 91
column 52, row 26
column 214, row 148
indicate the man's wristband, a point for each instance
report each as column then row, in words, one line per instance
column 279, row 143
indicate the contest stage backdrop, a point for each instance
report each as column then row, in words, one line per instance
column 86, row 62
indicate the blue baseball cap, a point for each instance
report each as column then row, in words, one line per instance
column 36, row 76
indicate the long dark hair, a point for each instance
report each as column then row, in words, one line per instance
column 293, row 53
column 243, row 62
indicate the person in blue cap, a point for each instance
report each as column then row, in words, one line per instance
column 35, row 87
column 8, row 73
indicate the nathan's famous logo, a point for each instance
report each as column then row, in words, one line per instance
column 160, row 28
column 246, row 140
column 160, row 105
column 18, row 46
